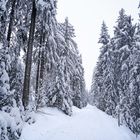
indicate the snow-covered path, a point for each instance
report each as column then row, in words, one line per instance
column 85, row 124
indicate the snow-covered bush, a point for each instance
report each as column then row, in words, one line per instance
column 10, row 123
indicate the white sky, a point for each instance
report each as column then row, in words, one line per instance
column 86, row 16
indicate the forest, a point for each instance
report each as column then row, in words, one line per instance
column 116, row 78
column 41, row 66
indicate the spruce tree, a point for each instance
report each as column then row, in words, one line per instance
column 74, row 66
column 124, row 39
column 98, row 90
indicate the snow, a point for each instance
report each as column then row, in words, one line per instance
column 85, row 124
column 41, row 2
column 3, row 4
column 12, row 121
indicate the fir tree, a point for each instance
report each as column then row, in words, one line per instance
column 98, row 89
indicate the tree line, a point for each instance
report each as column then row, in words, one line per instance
column 116, row 79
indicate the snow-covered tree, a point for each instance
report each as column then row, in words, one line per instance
column 123, row 44
column 98, row 90
column 45, row 51
column 10, row 115
column 104, row 36
column 115, row 87
column 74, row 66
column 64, row 76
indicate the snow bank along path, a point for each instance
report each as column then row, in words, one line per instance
column 85, row 124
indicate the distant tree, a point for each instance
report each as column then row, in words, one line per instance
column 74, row 64
column 104, row 36
column 98, row 89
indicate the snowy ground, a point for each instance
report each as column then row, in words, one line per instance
column 86, row 124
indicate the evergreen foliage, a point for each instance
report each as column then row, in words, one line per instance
column 115, row 85
column 39, row 64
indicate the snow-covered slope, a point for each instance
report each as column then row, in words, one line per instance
column 85, row 124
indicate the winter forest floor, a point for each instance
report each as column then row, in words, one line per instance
column 85, row 124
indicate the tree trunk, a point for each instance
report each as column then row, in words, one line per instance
column 11, row 22
column 26, row 88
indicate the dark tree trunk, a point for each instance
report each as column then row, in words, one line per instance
column 26, row 88
column 11, row 22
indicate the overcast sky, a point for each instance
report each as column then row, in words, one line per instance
column 86, row 16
